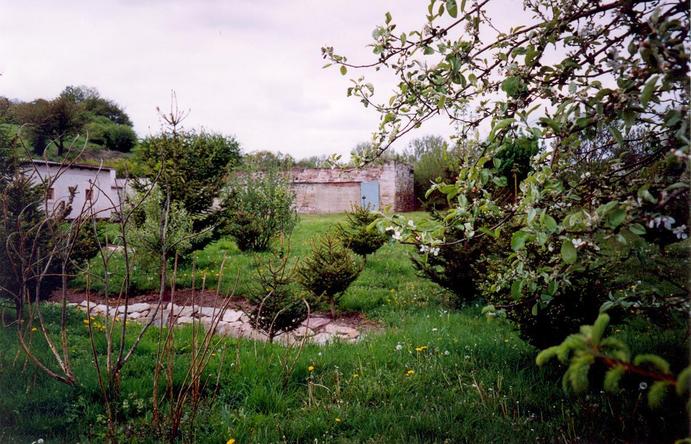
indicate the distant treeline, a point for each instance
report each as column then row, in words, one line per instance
column 77, row 114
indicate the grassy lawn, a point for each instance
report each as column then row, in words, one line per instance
column 431, row 375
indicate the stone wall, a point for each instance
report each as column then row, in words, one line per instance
column 325, row 190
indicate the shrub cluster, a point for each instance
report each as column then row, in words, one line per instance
column 358, row 232
column 257, row 206
column 278, row 305
column 329, row 270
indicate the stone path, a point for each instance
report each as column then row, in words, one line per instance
column 234, row 323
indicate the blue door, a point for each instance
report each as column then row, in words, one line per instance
column 369, row 195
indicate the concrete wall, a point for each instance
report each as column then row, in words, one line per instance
column 325, row 190
column 105, row 188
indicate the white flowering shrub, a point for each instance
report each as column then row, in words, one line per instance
column 602, row 90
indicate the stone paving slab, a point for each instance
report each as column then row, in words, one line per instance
column 233, row 323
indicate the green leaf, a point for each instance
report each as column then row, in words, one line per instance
column 648, row 91
column 513, row 86
column 568, row 252
column 599, row 328
column 546, row 355
column 644, row 194
column 452, row 8
column 518, row 240
column 617, row 135
column 344, row 70
column 550, row 223
column 683, row 381
column 616, row 217
column 552, row 287
column 580, row 366
column 653, row 360
column 388, row 17
column 612, row 378
column 657, row 393
column 517, row 289
column 500, row 126
column 637, row 229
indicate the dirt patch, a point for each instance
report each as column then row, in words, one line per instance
column 210, row 299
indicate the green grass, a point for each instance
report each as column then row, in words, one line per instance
column 472, row 380
column 388, row 269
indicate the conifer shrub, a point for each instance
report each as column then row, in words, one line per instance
column 257, row 207
column 329, row 270
column 358, row 234
column 279, row 307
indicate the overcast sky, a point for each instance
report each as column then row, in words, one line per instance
column 248, row 68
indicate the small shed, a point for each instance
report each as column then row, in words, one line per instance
column 325, row 190
column 97, row 191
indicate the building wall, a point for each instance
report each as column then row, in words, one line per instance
column 102, row 182
column 325, row 190
column 405, row 183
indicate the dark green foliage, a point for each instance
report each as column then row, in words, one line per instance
column 48, row 121
column 257, row 207
column 459, row 265
column 268, row 160
column 20, row 219
column 113, row 136
column 580, row 351
column 191, row 166
column 92, row 105
column 329, row 270
column 77, row 111
column 278, row 306
column 432, row 162
column 358, row 234
column 514, row 155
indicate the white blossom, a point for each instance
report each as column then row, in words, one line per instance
column 681, row 232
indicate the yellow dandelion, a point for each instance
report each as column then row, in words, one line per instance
column 34, row 329
column 410, row 372
column 310, row 368
column 421, row 348
column 231, row 441
column 338, row 419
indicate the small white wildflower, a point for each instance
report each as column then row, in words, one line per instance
column 397, row 235
column 446, row 353
column 435, row 250
column 680, row 232
column 399, row 347
column 411, row 224
column 577, row 243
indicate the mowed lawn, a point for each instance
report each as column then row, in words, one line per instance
column 430, row 374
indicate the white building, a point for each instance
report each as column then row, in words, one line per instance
column 97, row 191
